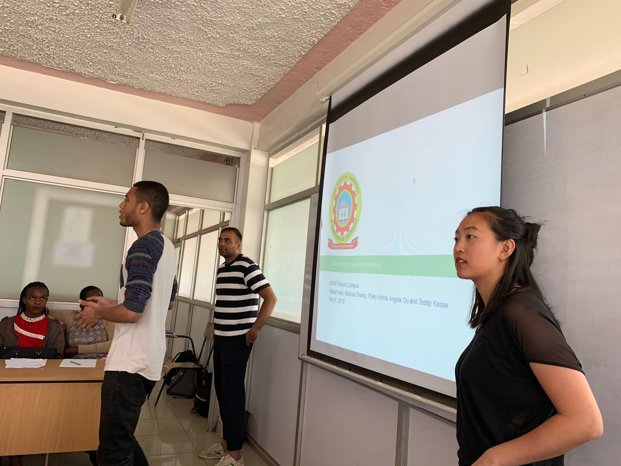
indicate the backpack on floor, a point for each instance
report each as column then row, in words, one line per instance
column 203, row 389
column 183, row 384
column 182, row 356
column 203, row 392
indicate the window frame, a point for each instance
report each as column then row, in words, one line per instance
column 315, row 136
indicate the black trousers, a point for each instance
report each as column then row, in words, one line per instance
column 122, row 397
column 230, row 357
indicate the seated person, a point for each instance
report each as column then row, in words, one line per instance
column 86, row 344
column 31, row 327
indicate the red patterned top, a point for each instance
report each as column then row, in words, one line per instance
column 31, row 331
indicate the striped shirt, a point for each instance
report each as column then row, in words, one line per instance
column 140, row 266
column 237, row 301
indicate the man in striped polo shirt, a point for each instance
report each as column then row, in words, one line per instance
column 237, row 321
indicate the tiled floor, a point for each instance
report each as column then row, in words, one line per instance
column 169, row 435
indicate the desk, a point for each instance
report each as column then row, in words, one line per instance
column 50, row 409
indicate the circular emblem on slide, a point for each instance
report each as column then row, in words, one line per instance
column 345, row 205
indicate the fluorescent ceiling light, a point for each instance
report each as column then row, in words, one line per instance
column 125, row 11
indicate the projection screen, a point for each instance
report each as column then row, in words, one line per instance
column 411, row 146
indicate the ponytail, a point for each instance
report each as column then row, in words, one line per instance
column 507, row 224
column 530, row 240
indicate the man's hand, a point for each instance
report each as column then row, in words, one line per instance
column 97, row 302
column 267, row 306
column 87, row 318
column 251, row 336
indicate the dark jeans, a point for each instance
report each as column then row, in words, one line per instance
column 122, row 396
column 230, row 357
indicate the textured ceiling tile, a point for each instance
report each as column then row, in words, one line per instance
column 220, row 52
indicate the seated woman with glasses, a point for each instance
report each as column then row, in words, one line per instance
column 93, row 343
column 31, row 327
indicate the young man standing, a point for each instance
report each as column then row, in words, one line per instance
column 134, row 362
column 237, row 321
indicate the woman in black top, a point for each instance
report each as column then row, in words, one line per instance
column 522, row 398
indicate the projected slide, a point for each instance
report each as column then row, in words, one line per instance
column 386, row 280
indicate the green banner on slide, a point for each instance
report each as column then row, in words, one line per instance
column 416, row 266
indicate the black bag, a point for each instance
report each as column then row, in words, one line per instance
column 203, row 388
column 182, row 356
column 203, row 392
column 183, row 383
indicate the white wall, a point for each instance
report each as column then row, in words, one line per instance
column 431, row 441
column 107, row 106
column 341, row 422
column 562, row 168
column 7, row 312
column 345, row 423
column 274, row 392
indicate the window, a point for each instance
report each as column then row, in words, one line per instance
column 53, row 148
column 194, row 219
column 191, row 172
column 180, row 228
column 208, row 261
column 212, row 217
column 293, row 179
column 285, row 256
column 64, row 237
column 295, row 173
column 186, row 280
column 197, row 251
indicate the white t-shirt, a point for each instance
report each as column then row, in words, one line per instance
column 147, row 286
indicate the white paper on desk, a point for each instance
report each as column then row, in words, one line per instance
column 21, row 363
column 77, row 363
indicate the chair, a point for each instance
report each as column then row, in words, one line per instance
column 190, row 360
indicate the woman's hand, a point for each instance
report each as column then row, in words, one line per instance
column 487, row 459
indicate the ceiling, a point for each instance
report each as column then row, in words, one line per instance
column 243, row 58
column 238, row 58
